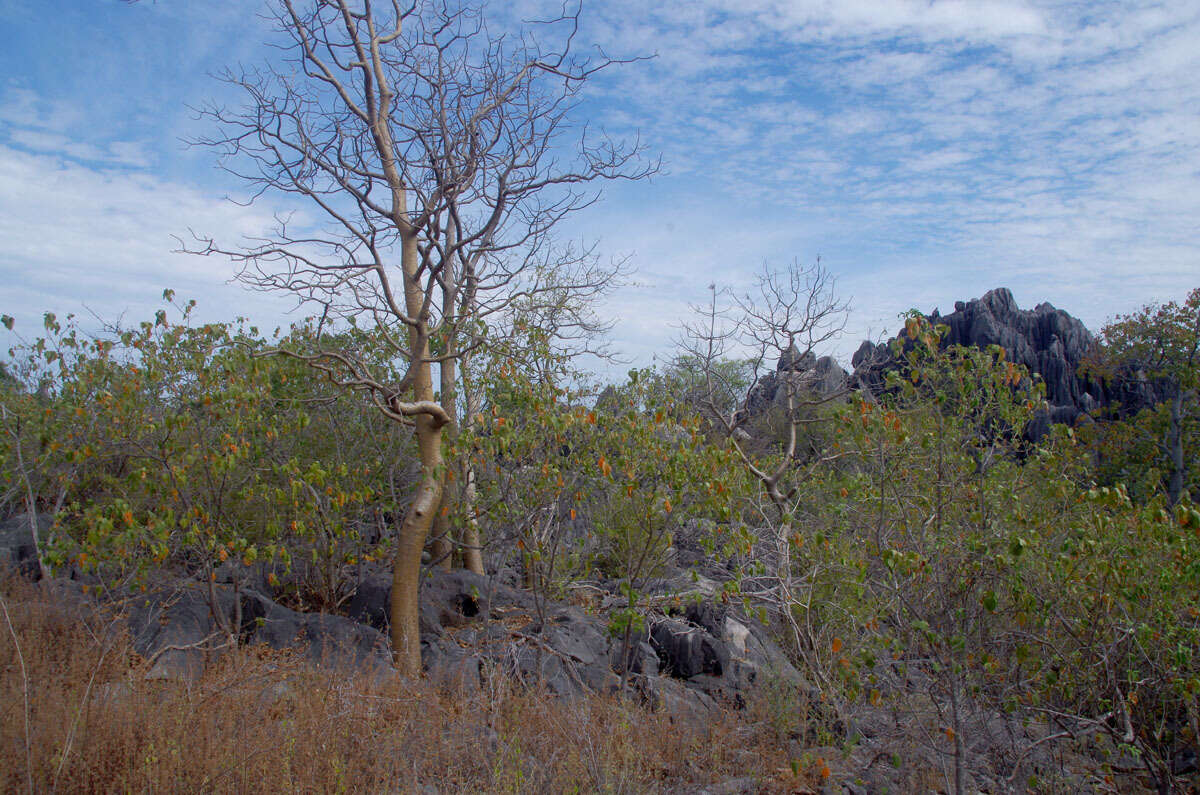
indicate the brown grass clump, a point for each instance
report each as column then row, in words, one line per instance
column 78, row 714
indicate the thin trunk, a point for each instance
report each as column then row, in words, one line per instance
column 442, row 549
column 1175, row 450
column 472, row 550
column 959, row 747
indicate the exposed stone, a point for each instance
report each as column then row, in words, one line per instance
column 802, row 375
column 1047, row 341
column 17, row 548
column 182, row 627
column 323, row 638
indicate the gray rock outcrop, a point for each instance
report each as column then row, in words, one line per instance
column 804, row 375
column 18, row 548
column 1047, row 341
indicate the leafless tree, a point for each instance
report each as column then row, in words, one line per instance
column 788, row 315
column 438, row 156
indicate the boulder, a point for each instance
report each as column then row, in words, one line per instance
column 447, row 599
column 182, row 627
column 322, row 638
column 712, row 651
column 17, row 548
column 684, row 704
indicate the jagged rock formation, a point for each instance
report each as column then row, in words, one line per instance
column 690, row 662
column 1047, row 341
column 810, row 377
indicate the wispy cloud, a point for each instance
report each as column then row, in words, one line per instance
column 79, row 236
column 929, row 150
column 1053, row 147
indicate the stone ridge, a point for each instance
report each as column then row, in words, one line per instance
column 1049, row 342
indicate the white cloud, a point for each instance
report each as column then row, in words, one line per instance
column 930, row 150
column 78, row 236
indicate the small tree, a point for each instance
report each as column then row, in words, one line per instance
column 1156, row 351
column 789, row 315
column 435, row 152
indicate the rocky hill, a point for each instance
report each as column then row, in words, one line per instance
column 1048, row 341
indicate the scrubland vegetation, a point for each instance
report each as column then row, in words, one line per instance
column 923, row 560
column 966, row 605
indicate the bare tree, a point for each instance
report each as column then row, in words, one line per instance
column 439, row 157
column 788, row 316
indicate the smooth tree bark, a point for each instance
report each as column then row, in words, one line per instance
column 433, row 158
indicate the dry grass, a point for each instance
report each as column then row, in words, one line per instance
column 265, row 719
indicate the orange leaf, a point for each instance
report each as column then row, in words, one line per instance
column 572, row 514
column 837, row 645
column 667, row 505
column 591, row 418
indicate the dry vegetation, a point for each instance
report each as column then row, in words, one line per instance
column 78, row 714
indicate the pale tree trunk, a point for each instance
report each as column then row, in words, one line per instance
column 406, row 571
column 442, row 550
column 472, row 548
column 414, row 530
column 1175, row 450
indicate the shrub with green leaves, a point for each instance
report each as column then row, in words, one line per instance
column 175, row 443
column 995, row 571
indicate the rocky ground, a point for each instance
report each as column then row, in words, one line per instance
column 694, row 661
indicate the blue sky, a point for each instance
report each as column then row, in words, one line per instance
column 926, row 151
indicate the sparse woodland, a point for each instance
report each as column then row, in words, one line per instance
column 864, row 589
